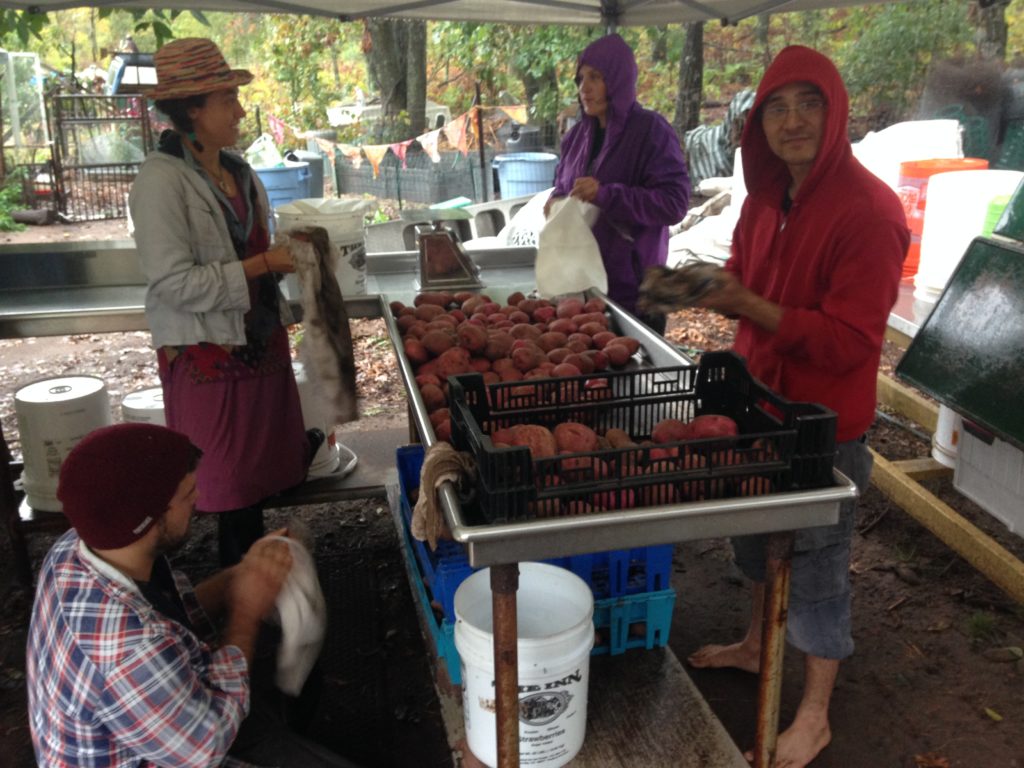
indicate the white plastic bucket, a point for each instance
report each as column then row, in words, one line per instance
column 555, row 610
column 958, row 206
column 53, row 415
column 946, row 438
column 145, row 406
column 343, row 220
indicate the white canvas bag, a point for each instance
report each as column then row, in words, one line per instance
column 568, row 258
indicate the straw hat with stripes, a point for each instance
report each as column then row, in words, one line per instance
column 193, row 66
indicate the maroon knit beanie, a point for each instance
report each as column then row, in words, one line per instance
column 117, row 481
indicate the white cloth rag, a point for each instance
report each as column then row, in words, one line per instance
column 302, row 614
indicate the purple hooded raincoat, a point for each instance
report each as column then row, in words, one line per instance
column 641, row 170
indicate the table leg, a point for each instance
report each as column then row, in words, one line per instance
column 504, row 585
column 773, row 645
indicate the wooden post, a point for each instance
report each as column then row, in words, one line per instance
column 773, row 645
column 504, row 585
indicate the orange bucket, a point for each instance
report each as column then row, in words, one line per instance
column 913, row 193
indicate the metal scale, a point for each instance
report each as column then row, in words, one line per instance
column 444, row 264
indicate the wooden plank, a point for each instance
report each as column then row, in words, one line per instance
column 964, row 538
column 899, row 338
column 923, row 469
column 907, row 402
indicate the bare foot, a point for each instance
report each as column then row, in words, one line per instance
column 800, row 743
column 739, row 655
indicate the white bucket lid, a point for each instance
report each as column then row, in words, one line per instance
column 144, row 399
column 59, row 389
column 325, row 206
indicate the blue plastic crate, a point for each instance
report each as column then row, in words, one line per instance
column 633, row 621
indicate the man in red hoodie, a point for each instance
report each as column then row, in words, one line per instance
column 814, row 271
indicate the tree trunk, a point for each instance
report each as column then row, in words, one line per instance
column 991, row 32
column 761, row 34
column 659, row 44
column 416, row 75
column 691, row 79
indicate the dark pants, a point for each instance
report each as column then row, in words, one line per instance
column 237, row 529
column 266, row 740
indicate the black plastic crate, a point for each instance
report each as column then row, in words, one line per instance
column 782, row 445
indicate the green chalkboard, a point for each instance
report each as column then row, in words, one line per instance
column 969, row 353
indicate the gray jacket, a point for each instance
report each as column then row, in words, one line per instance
column 196, row 287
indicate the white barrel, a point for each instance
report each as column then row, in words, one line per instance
column 343, row 220
column 53, row 415
column 555, row 611
column 145, row 406
column 958, row 204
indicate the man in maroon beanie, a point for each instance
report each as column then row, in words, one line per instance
column 124, row 666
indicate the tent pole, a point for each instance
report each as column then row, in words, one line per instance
column 480, row 141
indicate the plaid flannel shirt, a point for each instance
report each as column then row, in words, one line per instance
column 113, row 682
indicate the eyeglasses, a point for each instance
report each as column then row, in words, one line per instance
column 779, row 112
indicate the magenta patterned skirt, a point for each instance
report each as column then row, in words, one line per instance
column 249, row 427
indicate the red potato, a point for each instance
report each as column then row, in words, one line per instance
column 584, row 363
column 594, row 305
column 580, row 507
column 619, row 438
column 497, row 317
column 568, row 307
column 563, row 325
column 515, row 298
column 472, row 337
column 462, row 296
column 538, row 439
column 712, row 425
column 453, row 361
column 591, row 317
column 432, row 297
column 592, row 329
column 499, row 345
column 576, row 345
column 503, row 364
column 602, row 339
column 396, row 308
column 472, row 305
column 433, row 397
column 621, row 499
column 575, row 437
column 428, row 312
column 599, row 358
column 457, row 314
column 664, row 455
column 580, row 338
column 443, row 431
column 558, row 355
column 511, row 374
column 563, row 370
column 659, row 493
column 429, row 368
column 524, row 331
column 544, row 314
column 480, row 364
column 490, row 377
column 415, row 351
column 405, row 322
column 618, row 354
column 407, row 311
column 437, row 341
column 428, row 378
column 528, row 306
column 670, row 431
column 416, row 330
column 445, row 322
column 490, row 307
column 518, row 316
column 551, row 340
column 527, row 358
column 438, row 416
column 630, row 343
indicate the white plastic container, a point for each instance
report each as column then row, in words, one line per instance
column 555, row 610
column 145, row 406
column 958, row 205
column 343, row 220
column 332, row 458
column 992, row 476
column 53, row 415
column 946, row 438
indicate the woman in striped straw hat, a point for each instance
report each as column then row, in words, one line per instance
column 214, row 308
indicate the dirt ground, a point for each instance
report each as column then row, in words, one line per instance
column 936, row 681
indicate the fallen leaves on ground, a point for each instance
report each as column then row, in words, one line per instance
column 931, row 760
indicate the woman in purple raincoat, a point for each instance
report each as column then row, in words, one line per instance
column 627, row 161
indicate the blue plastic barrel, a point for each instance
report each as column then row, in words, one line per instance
column 285, row 183
column 525, row 173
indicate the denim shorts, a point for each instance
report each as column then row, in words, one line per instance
column 819, row 620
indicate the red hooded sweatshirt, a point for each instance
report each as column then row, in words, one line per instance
column 832, row 262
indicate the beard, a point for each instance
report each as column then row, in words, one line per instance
column 168, row 541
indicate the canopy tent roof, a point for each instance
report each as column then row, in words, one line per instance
column 594, row 12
